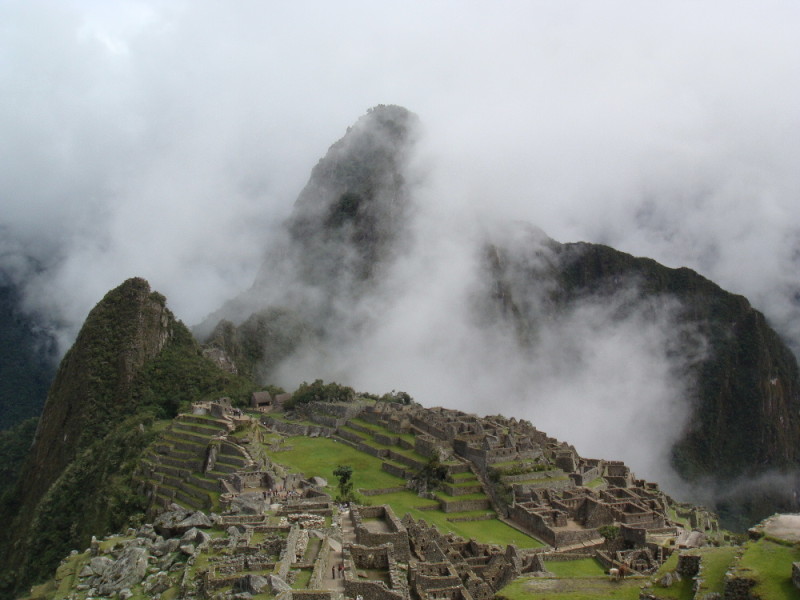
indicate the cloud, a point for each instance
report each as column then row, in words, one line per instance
column 169, row 139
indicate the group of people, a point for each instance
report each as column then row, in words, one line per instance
column 340, row 568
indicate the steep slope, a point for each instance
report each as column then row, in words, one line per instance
column 745, row 402
column 348, row 223
column 353, row 212
column 131, row 362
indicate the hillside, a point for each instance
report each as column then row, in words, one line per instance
column 132, row 363
column 506, row 512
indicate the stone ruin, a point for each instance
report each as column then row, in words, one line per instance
column 551, row 492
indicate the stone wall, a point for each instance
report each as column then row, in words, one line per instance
column 386, row 440
column 688, row 564
column 350, row 436
column 394, row 470
column 738, row 588
column 313, row 595
column 381, row 491
column 339, row 410
column 430, row 447
column 296, row 428
column 461, row 490
column 372, row 451
column 450, row 506
column 397, row 536
column 375, row 558
column 322, row 565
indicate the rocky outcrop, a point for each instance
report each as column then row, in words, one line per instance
column 92, row 388
column 745, row 400
column 349, row 222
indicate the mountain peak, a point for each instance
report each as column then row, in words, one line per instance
column 353, row 209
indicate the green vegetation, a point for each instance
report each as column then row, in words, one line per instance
column 320, row 456
column 319, row 391
column 609, row 532
column 95, row 494
column 344, row 474
column 131, row 364
column 582, row 588
column 399, row 397
column 584, row 567
column 715, row 563
column 180, row 375
column 27, row 359
column 259, row 344
column 771, row 564
column 14, row 446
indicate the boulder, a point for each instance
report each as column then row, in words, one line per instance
column 319, row 481
column 249, row 504
column 188, row 549
column 167, row 522
column 86, row 571
column 251, row 584
column 157, row 583
column 197, row 519
column 278, row 585
column 233, row 532
column 128, row 570
column 100, row 564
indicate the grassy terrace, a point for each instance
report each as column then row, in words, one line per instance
column 771, row 564
column 715, row 562
column 320, row 456
column 579, row 587
column 585, row 567
column 491, row 531
column 681, row 590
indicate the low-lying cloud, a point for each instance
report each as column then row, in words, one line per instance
column 169, row 140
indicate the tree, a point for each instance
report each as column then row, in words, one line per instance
column 319, row 391
column 344, row 473
column 399, row 397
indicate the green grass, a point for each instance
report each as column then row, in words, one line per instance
column 715, row 563
column 370, row 426
column 320, row 456
column 681, row 590
column 449, row 498
column 583, row 588
column 584, row 567
column 771, row 565
column 301, row 579
column 491, row 531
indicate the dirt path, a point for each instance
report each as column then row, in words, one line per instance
column 334, row 580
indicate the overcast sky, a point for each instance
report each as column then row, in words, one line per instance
column 167, row 139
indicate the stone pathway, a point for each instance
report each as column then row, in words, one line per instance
column 336, row 556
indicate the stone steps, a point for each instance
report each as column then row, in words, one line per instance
column 212, row 485
column 204, row 420
column 189, row 436
column 198, row 429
